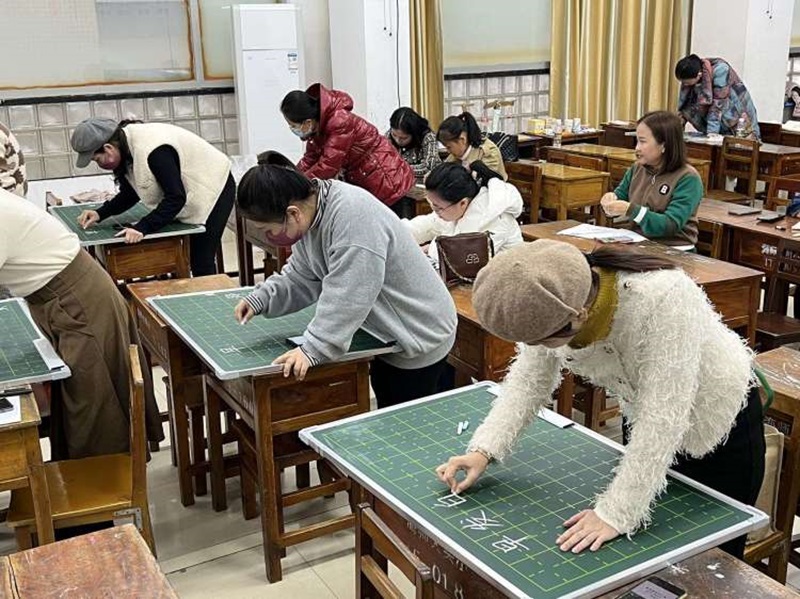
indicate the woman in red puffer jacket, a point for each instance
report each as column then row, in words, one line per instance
column 338, row 140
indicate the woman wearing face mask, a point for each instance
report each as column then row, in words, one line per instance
column 462, row 137
column 174, row 172
column 642, row 329
column 359, row 263
column 467, row 202
column 413, row 138
column 339, row 141
column 660, row 193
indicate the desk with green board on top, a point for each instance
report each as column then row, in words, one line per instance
column 498, row 538
column 271, row 409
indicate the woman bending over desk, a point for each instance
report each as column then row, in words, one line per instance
column 175, row 173
column 355, row 259
column 660, row 193
column 644, row 331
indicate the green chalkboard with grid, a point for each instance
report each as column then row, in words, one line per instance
column 205, row 321
column 511, row 517
column 105, row 232
column 20, row 361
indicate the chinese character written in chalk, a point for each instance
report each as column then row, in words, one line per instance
column 451, row 500
column 229, row 350
column 507, row 544
column 479, row 522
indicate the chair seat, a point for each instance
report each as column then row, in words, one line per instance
column 726, row 196
column 79, row 488
column 778, row 328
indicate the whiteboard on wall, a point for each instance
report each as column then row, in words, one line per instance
column 268, row 64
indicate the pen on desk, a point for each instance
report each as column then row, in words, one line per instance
column 780, row 227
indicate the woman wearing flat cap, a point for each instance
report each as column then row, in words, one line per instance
column 172, row 171
column 645, row 332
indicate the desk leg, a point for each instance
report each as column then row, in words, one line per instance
column 219, row 500
column 39, row 489
column 180, row 427
column 183, row 268
column 269, row 486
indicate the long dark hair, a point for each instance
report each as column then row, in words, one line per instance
column 688, row 67
column 408, row 121
column 298, row 106
column 453, row 126
column 452, row 182
column 667, row 128
column 267, row 189
column 120, row 140
column 625, row 258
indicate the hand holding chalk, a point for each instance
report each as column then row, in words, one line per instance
column 243, row 312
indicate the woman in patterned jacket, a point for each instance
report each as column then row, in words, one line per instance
column 713, row 97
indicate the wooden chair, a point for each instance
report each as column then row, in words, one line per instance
column 710, row 238
column 788, row 183
column 556, row 155
column 738, row 159
column 376, row 544
column 783, row 414
column 527, row 178
column 98, row 488
column 774, row 327
column 577, row 393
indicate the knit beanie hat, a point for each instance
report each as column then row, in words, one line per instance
column 532, row 290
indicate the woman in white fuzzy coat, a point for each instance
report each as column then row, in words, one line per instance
column 468, row 202
column 652, row 338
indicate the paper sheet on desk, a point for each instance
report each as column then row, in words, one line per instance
column 607, row 234
column 13, row 415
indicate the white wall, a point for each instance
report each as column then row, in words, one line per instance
column 316, row 40
column 796, row 25
column 754, row 41
column 495, row 32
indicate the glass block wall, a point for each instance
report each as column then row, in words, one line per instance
column 44, row 129
column 530, row 91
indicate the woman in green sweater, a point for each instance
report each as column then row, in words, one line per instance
column 660, row 193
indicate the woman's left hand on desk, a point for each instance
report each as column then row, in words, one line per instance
column 131, row 235
column 585, row 529
column 294, row 361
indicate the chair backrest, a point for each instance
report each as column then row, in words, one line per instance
column 709, row 241
column 789, row 183
column 556, row 155
column 739, row 159
column 589, row 162
column 527, row 178
column 770, row 132
column 375, row 543
column 138, row 434
column 786, row 272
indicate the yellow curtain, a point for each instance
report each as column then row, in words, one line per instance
column 427, row 70
column 613, row 59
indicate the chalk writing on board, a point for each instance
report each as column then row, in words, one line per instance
column 481, row 522
column 450, row 500
column 507, row 544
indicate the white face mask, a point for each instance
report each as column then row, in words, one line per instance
column 297, row 131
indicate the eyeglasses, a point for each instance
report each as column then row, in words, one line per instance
column 437, row 209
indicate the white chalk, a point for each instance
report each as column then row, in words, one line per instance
column 466, row 425
column 460, row 428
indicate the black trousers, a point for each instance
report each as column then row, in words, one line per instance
column 735, row 468
column 203, row 246
column 394, row 385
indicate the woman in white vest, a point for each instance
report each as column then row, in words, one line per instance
column 172, row 171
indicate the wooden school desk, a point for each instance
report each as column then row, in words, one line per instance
column 539, row 141
column 498, row 538
column 419, row 200
column 565, row 187
column 476, row 353
column 184, row 370
column 165, row 252
column 734, row 290
column 114, row 562
column 615, row 133
column 238, row 362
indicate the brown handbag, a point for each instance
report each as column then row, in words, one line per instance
column 462, row 256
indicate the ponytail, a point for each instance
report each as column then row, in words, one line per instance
column 453, row 126
column 622, row 258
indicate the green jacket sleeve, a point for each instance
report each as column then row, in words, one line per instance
column 685, row 199
column 622, row 189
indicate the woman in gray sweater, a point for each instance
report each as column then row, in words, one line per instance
column 355, row 259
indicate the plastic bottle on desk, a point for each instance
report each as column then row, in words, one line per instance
column 557, row 132
column 741, row 126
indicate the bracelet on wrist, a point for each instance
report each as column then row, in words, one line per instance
column 489, row 457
